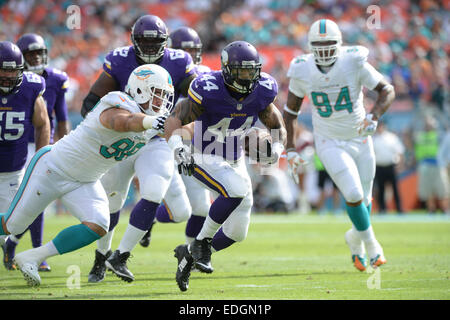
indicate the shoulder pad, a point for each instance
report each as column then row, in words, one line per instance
column 117, row 55
column 298, row 66
column 118, row 99
column 358, row 54
column 268, row 85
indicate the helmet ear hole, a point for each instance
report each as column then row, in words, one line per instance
column 139, row 90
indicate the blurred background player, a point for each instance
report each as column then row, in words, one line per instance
column 433, row 182
column 23, row 115
column 35, row 53
column 239, row 88
column 332, row 76
column 388, row 153
column 113, row 132
column 324, row 183
column 154, row 168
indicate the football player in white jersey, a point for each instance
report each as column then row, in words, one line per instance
column 115, row 130
column 333, row 76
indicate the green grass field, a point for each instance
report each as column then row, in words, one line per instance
column 285, row 257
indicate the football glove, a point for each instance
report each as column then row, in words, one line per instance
column 158, row 123
column 184, row 160
column 368, row 126
column 274, row 152
column 294, row 161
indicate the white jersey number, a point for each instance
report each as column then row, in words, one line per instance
column 221, row 129
column 10, row 125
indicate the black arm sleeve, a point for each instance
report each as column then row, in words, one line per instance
column 88, row 103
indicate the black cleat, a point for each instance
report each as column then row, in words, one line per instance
column 145, row 241
column 97, row 273
column 201, row 252
column 7, row 262
column 185, row 264
column 117, row 263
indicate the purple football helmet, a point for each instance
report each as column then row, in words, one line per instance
column 241, row 68
column 187, row 39
column 149, row 36
column 34, row 52
column 11, row 68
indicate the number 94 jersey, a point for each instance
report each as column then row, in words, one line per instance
column 336, row 96
column 90, row 150
column 220, row 129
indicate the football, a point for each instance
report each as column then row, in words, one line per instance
column 258, row 144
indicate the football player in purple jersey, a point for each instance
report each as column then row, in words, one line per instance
column 225, row 105
column 34, row 51
column 157, row 181
column 22, row 113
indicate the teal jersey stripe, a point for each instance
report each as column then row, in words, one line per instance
column 322, row 26
column 25, row 179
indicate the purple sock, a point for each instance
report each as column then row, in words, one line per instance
column 36, row 229
column 143, row 214
column 222, row 208
column 194, row 225
column 163, row 215
column 10, row 248
column 220, row 241
column 113, row 220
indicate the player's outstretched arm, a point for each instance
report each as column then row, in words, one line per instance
column 41, row 123
column 104, row 84
column 185, row 112
column 386, row 95
column 271, row 117
column 124, row 121
column 290, row 115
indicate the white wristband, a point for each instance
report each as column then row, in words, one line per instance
column 147, row 122
column 175, row 141
column 286, row 108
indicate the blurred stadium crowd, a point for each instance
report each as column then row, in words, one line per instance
column 410, row 47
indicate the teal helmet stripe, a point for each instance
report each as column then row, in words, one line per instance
column 41, row 152
column 322, row 26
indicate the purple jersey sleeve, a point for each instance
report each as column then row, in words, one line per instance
column 119, row 63
column 60, row 107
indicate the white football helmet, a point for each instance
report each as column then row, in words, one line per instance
column 324, row 30
column 150, row 81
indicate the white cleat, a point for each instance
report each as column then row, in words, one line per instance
column 28, row 267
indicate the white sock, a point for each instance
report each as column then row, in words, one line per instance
column 189, row 240
column 104, row 243
column 209, row 229
column 130, row 238
column 41, row 253
column 370, row 242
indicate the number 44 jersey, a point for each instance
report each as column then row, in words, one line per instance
column 90, row 150
column 16, row 114
column 336, row 96
column 220, row 129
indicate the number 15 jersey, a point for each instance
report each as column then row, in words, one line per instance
column 336, row 96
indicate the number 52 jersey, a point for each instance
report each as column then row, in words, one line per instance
column 336, row 96
column 90, row 150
